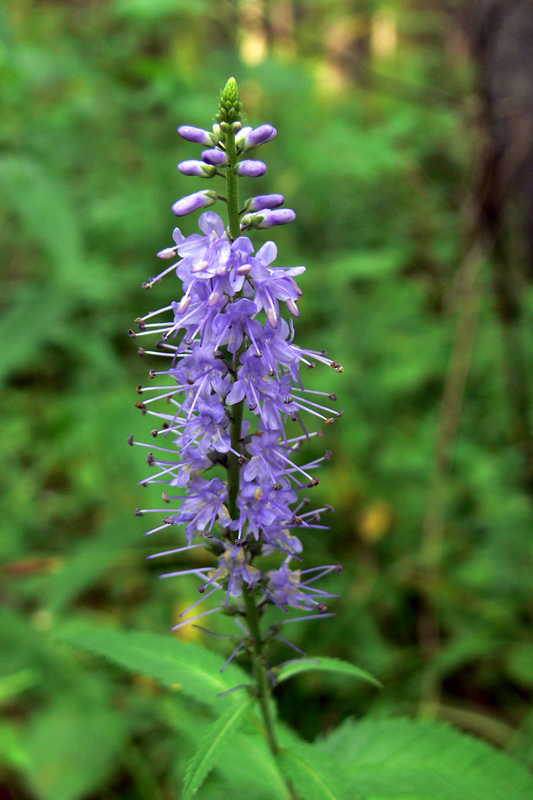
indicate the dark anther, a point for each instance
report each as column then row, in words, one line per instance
column 168, row 521
column 306, row 501
column 322, row 608
column 190, row 381
column 202, row 588
column 252, row 407
column 330, row 421
column 327, row 455
column 328, row 507
column 239, row 542
column 311, row 365
column 152, row 373
column 155, row 432
column 166, row 425
column 140, row 351
column 130, row 440
column 272, row 374
column 242, row 460
column 259, row 354
column 296, row 520
column 338, row 569
column 277, row 487
column 141, row 405
column 166, row 498
column 313, row 482
column 341, row 412
column 294, row 417
column 334, row 364
column 159, row 345
column 146, row 285
column 288, row 399
column 140, row 323
column 332, row 396
column 132, row 334
column 138, row 512
column 139, row 389
column 150, row 460
column 208, row 535
column 316, row 516
column 144, row 483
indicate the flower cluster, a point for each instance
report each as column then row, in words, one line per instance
column 235, row 404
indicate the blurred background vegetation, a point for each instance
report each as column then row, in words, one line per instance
column 404, row 146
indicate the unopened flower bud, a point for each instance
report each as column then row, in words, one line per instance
column 196, row 135
column 251, row 169
column 264, row 201
column 257, row 137
column 197, row 169
column 267, row 218
column 241, row 136
column 216, row 157
column 192, row 202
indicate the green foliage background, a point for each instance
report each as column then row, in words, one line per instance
column 375, row 152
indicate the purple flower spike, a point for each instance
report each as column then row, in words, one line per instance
column 264, row 201
column 215, row 157
column 268, row 218
column 251, row 169
column 196, row 135
column 197, row 169
column 255, row 138
column 192, row 202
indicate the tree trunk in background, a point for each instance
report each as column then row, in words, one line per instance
column 500, row 34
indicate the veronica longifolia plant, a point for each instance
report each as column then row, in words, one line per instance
column 228, row 348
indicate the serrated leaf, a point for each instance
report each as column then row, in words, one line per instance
column 324, row 665
column 186, row 666
column 315, row 775
column 204, row 758
column 249, row 754
column 424, row 760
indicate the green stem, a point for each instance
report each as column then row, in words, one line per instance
column 232, row 182
column 234, row 467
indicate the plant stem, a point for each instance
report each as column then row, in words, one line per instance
column 234, row 467
column 232, row 182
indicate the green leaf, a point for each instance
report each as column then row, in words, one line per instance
column 315, row 775
column 72, row 749
column 185, row 666
column 424, row 760
column 324, row 665
column 248, row 754
column 204, row 758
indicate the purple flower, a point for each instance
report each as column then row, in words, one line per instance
column 226, row 350
column 197, row 169
column 197, row 135
column 193, row 202
column 248, row 138
column 216, row 157
column 251, row 169
column 267, row 218
column 264, row 201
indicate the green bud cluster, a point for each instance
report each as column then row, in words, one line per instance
column 230, row 106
